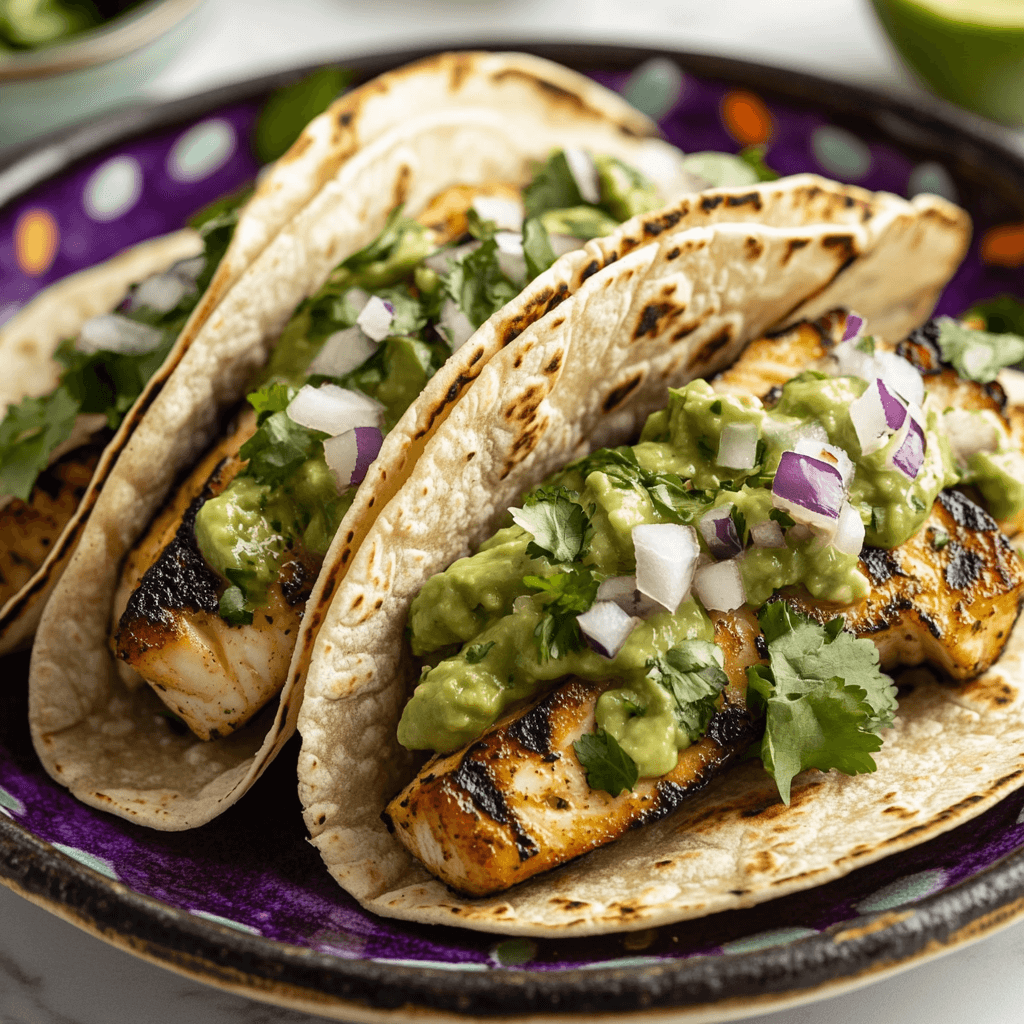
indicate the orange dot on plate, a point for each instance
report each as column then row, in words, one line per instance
column 1003, row 245
column 35, row 241
column 746, row 118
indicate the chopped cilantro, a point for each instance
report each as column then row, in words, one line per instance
column 536, row 247
column 569, row 593
column 692, row 672
column 939, row 539
column 607, row 765
column 716, row 407
column 824, row 696
column 477, row 284
column 977, row 355
column 552, row 188
column 753, row 157
column 280, row 445
column 233, row 607
column 288, row 109
column 476, row 653
column 559, row 524
column 29, row 432
column 707, row 453
column 784, row 519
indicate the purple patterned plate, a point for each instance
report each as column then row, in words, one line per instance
column 245, row 902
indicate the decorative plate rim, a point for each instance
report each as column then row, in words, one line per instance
column 842, row 957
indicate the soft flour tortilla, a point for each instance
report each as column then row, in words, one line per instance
column 402, row 138
column 588, row 373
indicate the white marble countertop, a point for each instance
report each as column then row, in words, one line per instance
column 51, row 973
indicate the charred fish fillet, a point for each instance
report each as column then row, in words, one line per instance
column 516, row 802
column 213, row 675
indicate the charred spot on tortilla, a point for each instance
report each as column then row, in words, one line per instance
column 456, row 389
column 793, row 246
column 689, row 328
column 754, row 247
column 619, row 394
column 704, row 355
column 556, row 360
column 589, row 270
column 649, row 319
column 709, row 203
column 400, row 190
column 747, row 199
column 674, row 253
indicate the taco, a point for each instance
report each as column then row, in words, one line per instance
column 382, row 298
column 936, row 580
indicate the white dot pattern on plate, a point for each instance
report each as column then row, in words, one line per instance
column 90, row 860
column 113, row 189
column 904, row 890
column 934, row 178
column 514, row 952
column 841, row 153
column 655, row 87
column 201, row 150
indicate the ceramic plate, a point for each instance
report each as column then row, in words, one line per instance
column 245, row 902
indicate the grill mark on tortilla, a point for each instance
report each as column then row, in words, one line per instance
column 751, row 198
column 453, row 393
column 649, row 318
column 619, row 394
column 589, row 270
column 754, row 248
column 793, row 246
column 704, row 354
column 709, row 203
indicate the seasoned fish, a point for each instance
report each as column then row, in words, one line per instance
column 516, row 801
column 213, row 675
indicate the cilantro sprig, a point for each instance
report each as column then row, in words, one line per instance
column 824, row 697
column 977, row 355
column 607, row 765
column 692, row 673
column 570, row 593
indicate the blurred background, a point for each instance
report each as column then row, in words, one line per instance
column 64, row 60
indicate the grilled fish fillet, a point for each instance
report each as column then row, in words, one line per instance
column 213, row 675
column 516, row 801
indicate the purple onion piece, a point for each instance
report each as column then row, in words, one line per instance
column 809, row 489
column 895, row 410
column 719, row 532
column 368, row 443
column 854, row 325
column 909, row 456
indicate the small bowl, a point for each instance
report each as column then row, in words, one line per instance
column 974, row 57
column 106, row 66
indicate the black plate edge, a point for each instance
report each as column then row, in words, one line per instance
column 220, row 953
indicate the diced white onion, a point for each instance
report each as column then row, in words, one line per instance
column 561, row 244
column 970, row 432
column 584, row 173
column 737, row 448
column 441, row 261
column 507, row 214
column 831, row 454
column 902, row 377
column 810, row 490
column 720, row 586
column 622, row 590
column 161, row 292
column 341, row 352
column 869, row 418
column 852, row 362
column 767, row 535
column 1012, row 382
column 111, row 332
column 376, row 318
column 849, row 536
column 511, row 260
column 606, row 627
column 458, row 328
column 349, row 455
column 666, row 555
column 334, row 410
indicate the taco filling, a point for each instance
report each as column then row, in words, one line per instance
column 212, row 596
column 736, row 580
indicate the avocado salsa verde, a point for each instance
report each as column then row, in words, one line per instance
column 498, row 627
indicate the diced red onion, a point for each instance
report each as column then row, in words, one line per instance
column 561, row 244
column 334, row 410
column 349, row 455
column 606, row 627
column 849, row 535
column 767, row 535
column 908, row 457
column 507, row 214
column 720, row 586
column 666, row 554
column 584, row 173
column 854, row 326
column 622, row 590
column 341, row 352
column 737, row 447
column 111, row 332
column 376, row 318
column 441, row 261
column 831, row 454
column 458, row 328
column 810, row 490
column 719, row 532
column 161, row 292
column 511, row 260
column 970, row 433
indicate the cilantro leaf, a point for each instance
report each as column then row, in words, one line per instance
column 29, row 432
column 1003, row 314
column 977, row 355
column 607, row 765
column 476, row 653
column 625, row 191
column 753, row 156
column 692, row 672
column 291, row 107
column 477, row 284
column 824, row 696
column 552, row 188
column 536, row 247
column 270, row 399
column 568, row 593
column 233, row 608
column 279, row 447
column 559, row 524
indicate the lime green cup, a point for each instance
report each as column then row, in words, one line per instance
column 969, row 51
